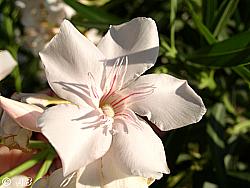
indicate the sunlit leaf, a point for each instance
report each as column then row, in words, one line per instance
column 229, row 10
column 231, row 52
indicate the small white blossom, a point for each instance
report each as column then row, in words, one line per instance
column 7, row 64
column 41, row 18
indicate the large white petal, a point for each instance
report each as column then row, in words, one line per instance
column 7, row 64
column 70, row 130
column 137, row 39
column 173, row 103
column 105, row 173
column 68, row 60
column 99, row 174
column 138, row 151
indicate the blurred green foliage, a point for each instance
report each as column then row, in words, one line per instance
column 206, row 42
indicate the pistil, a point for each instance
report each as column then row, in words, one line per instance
column 108, row 110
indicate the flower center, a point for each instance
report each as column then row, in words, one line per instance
column 112, row 98
column 108, row 110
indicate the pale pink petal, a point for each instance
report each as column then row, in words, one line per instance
column 136, row 39
column 99, row 174
column 25, row 115
column 13, row 135
column 137, row 150
column 68, row 60
column 76, row 135
column 104, row 173
column 173, row 103
column 7, row 64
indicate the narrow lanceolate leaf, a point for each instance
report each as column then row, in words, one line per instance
column 208, row 7
column 229, row 10
column 92, row 13
column 218, row 14
column 200, row 26
column 231, row 52
column 243, row 72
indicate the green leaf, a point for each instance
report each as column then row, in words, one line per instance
column 208, row 7
column 218, row 14
column 228, row 105
column 8, row 25
column 16, row 72
column 46, row 165
column 175, row 179
column 200, row 26
column 243, row 72
column 172, row 25
column 240, row 128
column 89, row 24
column 240, row 175
column 229, row 10
column 93, row 13
column 231, row 52
column 17, row 76
column 219, row 113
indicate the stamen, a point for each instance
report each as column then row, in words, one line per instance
column 102, row 121
column 110, row 78
column 115, row 79
column 141, row 93
column 128, row 116
column 122, row 72
column 93, row 90
column 93, row 86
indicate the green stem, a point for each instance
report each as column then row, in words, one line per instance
column 16, row 72
column 46, row 165
column 25, row 166
column 18, row 80
column 172, row 24
column 37, row 144
column 165, row 45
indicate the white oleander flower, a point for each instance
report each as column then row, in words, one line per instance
column 107, row 92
